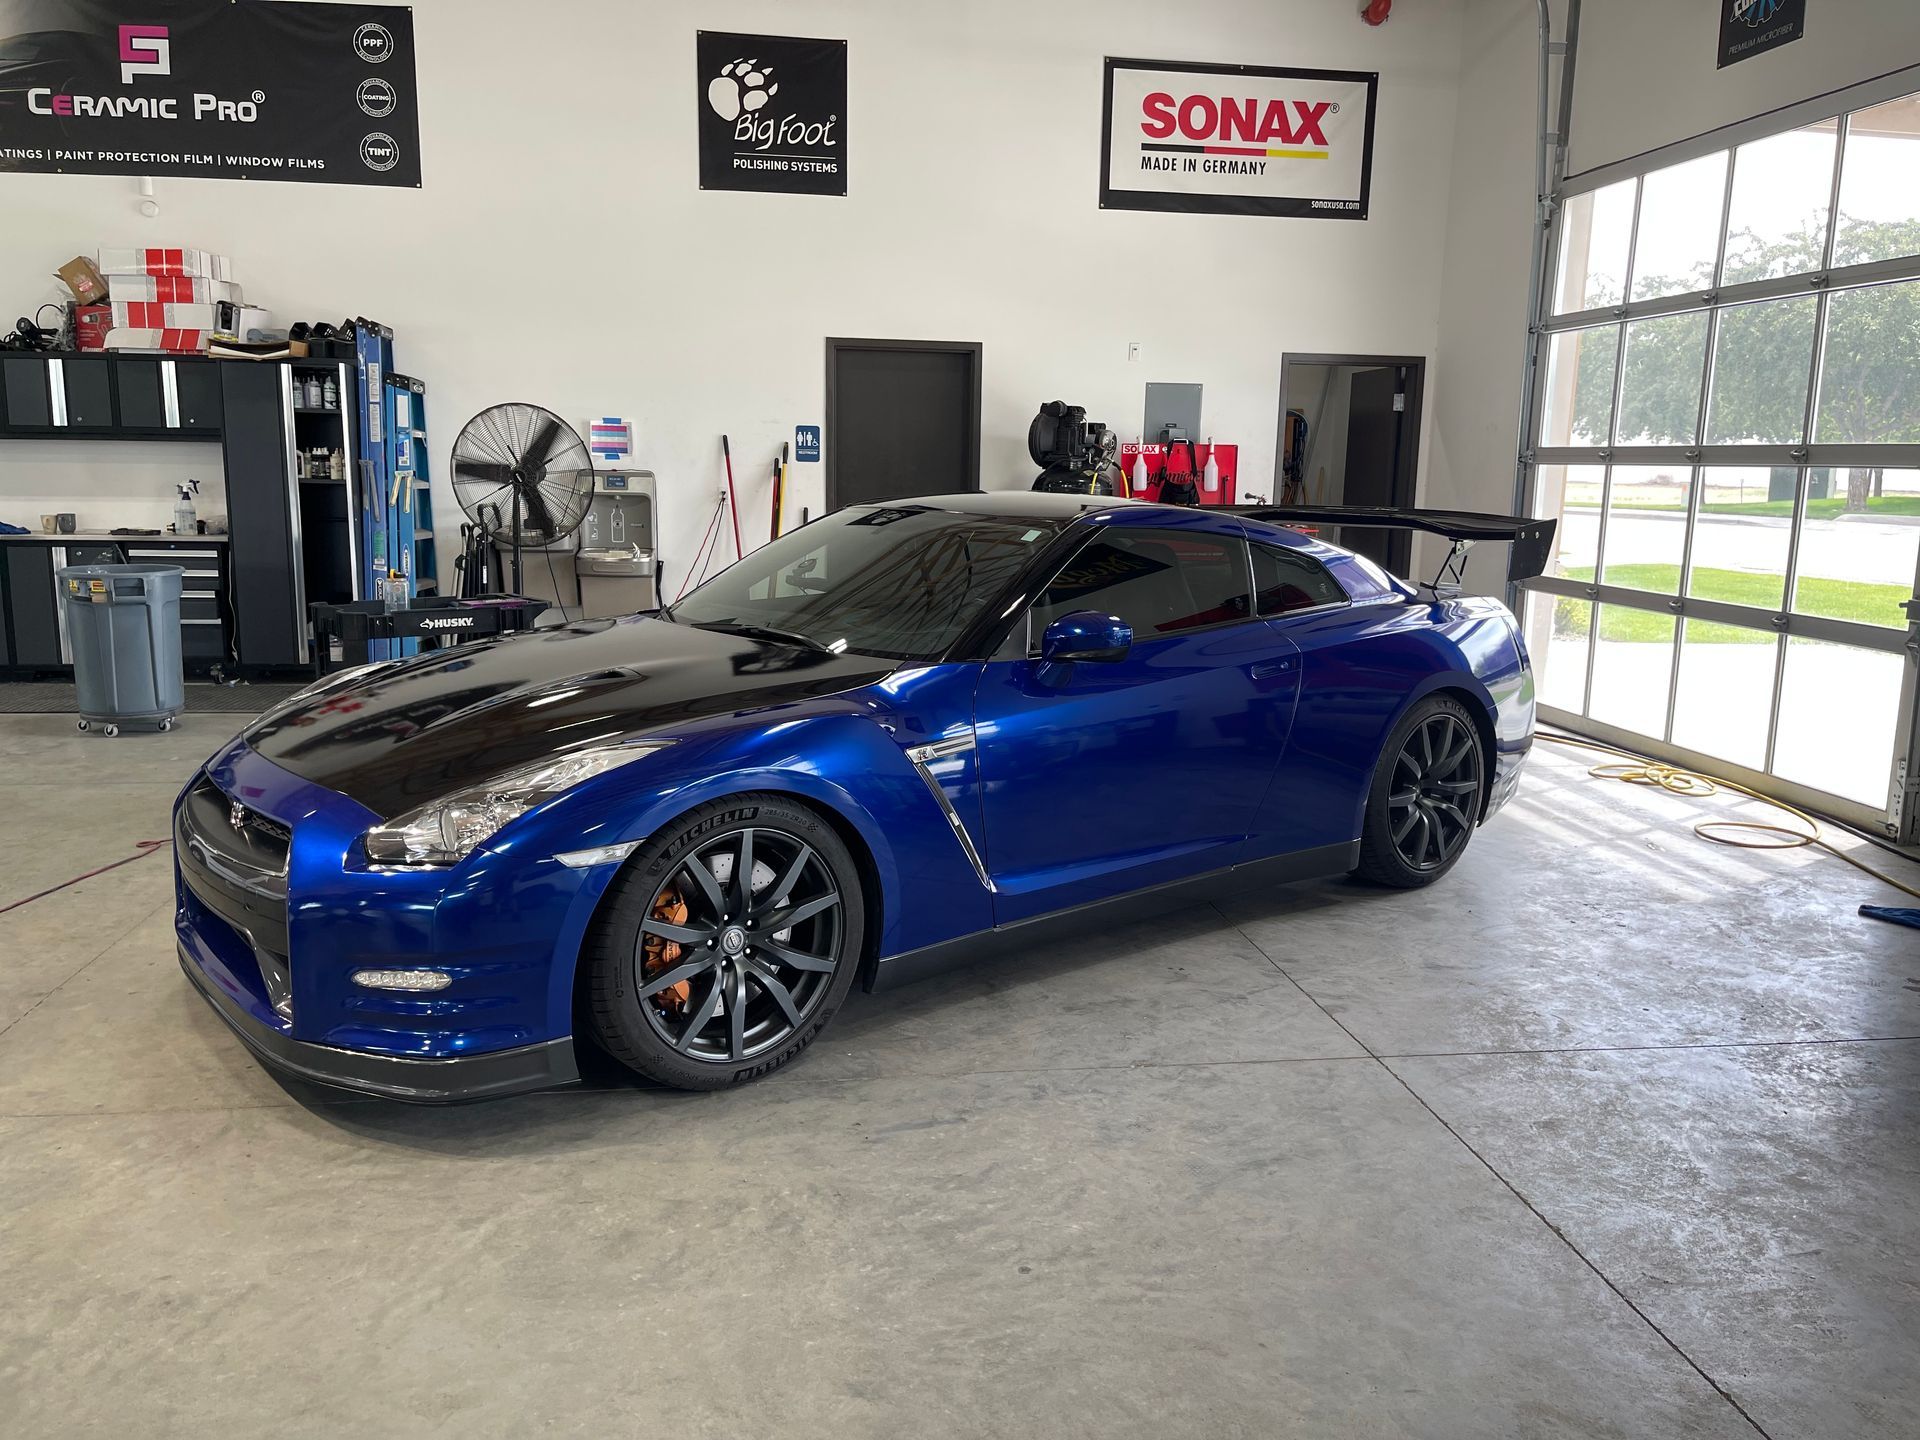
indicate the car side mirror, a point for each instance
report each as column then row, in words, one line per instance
column 1086, row 635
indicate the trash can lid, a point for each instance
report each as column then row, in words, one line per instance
column 103, row 572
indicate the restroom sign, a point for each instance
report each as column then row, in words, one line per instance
column 1237, row 139
column 806, row 443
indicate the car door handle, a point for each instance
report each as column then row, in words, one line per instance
column 1267, row 669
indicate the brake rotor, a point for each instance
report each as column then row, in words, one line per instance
column 660, row 953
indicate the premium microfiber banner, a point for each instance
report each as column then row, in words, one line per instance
column 1237, row 139
column 1753, row 27
column 256, row 91
column 773, row 113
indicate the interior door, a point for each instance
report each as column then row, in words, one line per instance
column 1378, row 445
column 903, row 418
column 1099, row 778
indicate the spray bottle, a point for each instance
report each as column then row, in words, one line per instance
column 1139, row 477
column 1210, row 477
column 185, row 522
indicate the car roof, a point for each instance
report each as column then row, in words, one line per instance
column 1040, row 504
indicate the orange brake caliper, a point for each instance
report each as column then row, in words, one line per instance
column 661, row 953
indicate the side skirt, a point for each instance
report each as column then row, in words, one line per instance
column 912, row 965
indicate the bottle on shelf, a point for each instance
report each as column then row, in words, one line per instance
column 330, row 394
column 184, row 518
column 337, row 465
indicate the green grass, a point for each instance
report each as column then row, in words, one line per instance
column 1836, row 599
column 1819, row 509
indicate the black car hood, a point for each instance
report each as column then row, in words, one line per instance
column 452, row 718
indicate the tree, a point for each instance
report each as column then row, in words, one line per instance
column 1871, row 368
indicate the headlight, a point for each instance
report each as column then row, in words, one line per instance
column 446, row 831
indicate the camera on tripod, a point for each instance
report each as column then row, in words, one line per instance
column 1076, row 455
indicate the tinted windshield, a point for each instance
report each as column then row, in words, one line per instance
column 899, row 581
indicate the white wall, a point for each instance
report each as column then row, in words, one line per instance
column 1646, row 76
column 974, row 135
column 1474, row 402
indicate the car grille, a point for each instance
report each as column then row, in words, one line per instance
column 234, row 860
column 250, row 842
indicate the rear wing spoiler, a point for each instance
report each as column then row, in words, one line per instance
column 1532, row 540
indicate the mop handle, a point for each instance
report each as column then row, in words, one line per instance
column 733, row 505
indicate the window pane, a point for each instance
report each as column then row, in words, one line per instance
column 1880, row 184
column 1558, row 633
column 1632, row 665
column 1761, row 360
column 1287, row 580
column 1646, row 527
column 1579, row 400
column 1842, row 749
column 1159, row 582
column 1573, row 493
column 1679, row 227
column 1594, row 230
column 1660, row 392
column 1740, row 541
column 1870, row 372
column 1777, row 223
column 1859, row 545
column 1725, row 691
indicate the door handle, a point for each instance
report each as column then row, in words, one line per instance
column 1267, row 669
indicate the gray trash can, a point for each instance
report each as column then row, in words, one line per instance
column 123, row 626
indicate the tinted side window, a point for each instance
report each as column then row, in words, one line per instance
column 1160, row 582
column 1286, row 580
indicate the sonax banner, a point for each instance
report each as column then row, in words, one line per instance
column 1237, row 139
column 258, row 91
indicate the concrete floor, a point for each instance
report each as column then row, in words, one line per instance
column 1610, row 1134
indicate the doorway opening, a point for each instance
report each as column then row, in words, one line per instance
column 903, row 418
column 1361, row 417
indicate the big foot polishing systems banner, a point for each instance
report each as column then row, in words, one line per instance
column 773, row 113
column 255, row 91
column 1237, row 139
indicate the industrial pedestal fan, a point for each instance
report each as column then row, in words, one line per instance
column 523, row 476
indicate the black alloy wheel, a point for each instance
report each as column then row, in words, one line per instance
column 1426, row 796
column 726, row 944
column 756, row 949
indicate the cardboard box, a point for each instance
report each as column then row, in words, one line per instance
column 84, row 280
column 172, row 342
column 170, row 289
column 90, row 326
column 152, row 261
column 157, row 315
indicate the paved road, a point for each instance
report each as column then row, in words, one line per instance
column 1876, row 552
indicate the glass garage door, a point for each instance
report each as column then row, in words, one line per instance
column 1727, row 423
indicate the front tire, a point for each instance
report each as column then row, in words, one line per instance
column 1426, row 796
column 725, row 944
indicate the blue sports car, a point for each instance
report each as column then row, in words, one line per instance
column 889, row 739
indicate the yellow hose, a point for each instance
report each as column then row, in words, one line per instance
column 1639, row 770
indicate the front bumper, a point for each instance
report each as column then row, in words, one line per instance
column 274, row 916
column 426, row 1082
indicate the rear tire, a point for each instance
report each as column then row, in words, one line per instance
column 1425, row 798
column 755, row 959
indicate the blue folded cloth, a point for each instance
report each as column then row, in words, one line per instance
column 1892, row 913
column 6, row 529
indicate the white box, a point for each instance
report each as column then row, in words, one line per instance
column 173, row 342
column 171, row 289
column 157, row 315
column 150, row 260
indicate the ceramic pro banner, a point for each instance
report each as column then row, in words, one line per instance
column 255, row 91
column 1237, row 139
